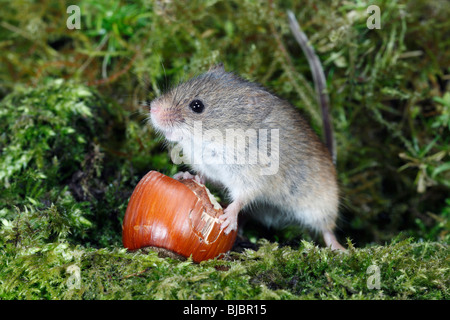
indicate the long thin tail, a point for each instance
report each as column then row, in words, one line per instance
column 319, row 82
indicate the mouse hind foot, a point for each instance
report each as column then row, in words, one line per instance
column 331, row 241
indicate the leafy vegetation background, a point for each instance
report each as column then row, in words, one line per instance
column 74, row 142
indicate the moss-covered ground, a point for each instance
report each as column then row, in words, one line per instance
column 74, row 143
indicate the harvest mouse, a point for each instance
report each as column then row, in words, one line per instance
column 256, row 145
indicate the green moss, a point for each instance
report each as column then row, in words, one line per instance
column 47, row 134
column 407, row 271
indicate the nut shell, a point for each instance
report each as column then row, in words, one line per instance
column 178, row 216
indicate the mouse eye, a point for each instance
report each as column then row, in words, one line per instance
column 197, row 106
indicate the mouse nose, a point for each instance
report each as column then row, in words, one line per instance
column 155, row 108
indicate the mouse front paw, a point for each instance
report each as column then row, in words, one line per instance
column 185, row 175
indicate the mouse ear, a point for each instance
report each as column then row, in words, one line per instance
column 217, row 68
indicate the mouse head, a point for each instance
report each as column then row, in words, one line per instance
column 218, row 99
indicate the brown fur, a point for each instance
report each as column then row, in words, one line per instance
column 303, row 191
